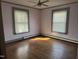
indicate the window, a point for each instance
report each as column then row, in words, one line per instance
column 60, row 20
column 21, row 20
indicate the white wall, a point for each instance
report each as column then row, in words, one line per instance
column 40, row 19
column 46, row 16
column 8, row 24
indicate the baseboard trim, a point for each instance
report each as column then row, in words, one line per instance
column 21, row 39
column 36, row 35
column 61, row 38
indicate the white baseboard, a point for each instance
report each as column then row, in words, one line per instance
column 33, row 35
column 25, row 37
column 61, row 38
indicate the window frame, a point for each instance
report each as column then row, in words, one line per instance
column 13, row 10
column 67, row 20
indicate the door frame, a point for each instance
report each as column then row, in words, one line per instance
column 2, row 37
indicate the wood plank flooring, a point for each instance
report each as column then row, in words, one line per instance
column 42, row 49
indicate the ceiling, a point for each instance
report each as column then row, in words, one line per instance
column 51, row 3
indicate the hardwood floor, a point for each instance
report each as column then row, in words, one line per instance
column 36, row 48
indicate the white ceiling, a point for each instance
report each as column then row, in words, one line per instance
column 50, row 3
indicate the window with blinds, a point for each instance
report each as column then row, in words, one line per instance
column 21, row 20
column 60, row 20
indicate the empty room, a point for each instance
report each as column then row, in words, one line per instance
column 39, row 29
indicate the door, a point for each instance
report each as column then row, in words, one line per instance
column 2, row 44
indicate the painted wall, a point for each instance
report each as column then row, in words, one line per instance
column 40, row 19
column 8, row 24
column 46, row 16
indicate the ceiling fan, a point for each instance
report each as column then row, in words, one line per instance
column 39, row 3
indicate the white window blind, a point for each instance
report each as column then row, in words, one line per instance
column 60, row 21
column 21, row 21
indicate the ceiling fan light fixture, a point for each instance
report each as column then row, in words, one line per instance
column 39, row 4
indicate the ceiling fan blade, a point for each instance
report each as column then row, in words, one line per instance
column 39, row 1
column 44, row 1
column 35, row 5
column 31, row 1
column 44, row 5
